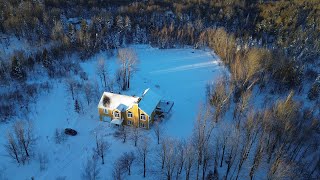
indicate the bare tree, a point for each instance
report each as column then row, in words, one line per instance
column 126, row 161
column 88, row 91
column 207, row 158
column 281, row 169
column 181, row 157
column 143, row 150
column 71, row 86
column 162, row 154
column 24, row 134
column 91, row 170
column 232, row 150
column 248, row 138
column 124, row 133
column 242, row 106
column 257, row 156
column 222, row 43
column 102, row 71
column 135, row 135
column 128, row 59
column 101, row 147
column 12, row 147
column 222, row 141
column 201, row 135
column 220, row 97
column 158, row 131
column 170, row 157
column 118, row 170
column 189, row 159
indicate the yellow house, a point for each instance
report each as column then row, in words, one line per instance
column 129, row 110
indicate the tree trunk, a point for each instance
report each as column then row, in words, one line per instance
column 102, row 157
column 129, row 169
column 198, row 167
column 17, row 158
column 25, row 149
column 128, row 83
column 187, row 174
column 144, row 165
column 105, row 81
column 72, row 93
column 223, row 149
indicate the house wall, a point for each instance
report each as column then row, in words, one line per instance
column 146, row 122
column 102, row 114
column 136, row 112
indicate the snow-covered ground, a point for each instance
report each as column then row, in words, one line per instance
column 179, row 75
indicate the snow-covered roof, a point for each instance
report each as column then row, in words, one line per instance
column 118, row 101
column 122, row 107
column 149, row 101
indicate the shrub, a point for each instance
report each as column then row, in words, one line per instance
column 314, row 92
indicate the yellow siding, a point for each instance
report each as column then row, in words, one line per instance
column 136, row 112
column 142, row 121
column 101, row 113
column 135, row 115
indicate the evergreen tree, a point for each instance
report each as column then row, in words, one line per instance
column 45, row 59
column 17, row 71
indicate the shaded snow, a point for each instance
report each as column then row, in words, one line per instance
column 178, row 75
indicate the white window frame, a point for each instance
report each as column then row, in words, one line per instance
column 129, row 122
column 142, row 125
column 131, row 115
column 116, row 112
column 144, row 117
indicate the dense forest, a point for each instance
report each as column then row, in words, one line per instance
column 270, row 46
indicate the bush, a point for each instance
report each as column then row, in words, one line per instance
column 314, row 92
column 287, row 75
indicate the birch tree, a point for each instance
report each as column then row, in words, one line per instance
column 201, row 135
column 102, row 72
column 189, row 159
column 24, row 133
column 12, row 147
column 91, row 171
column 128, row 60
column 101, row 148
column 71, row 86
column 135, row 135
column 143, row 150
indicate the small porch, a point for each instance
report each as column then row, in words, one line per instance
column 163, row 109
column 116, row 122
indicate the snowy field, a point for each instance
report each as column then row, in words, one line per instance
column 178, row 75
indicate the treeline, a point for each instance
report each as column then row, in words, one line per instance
column 290, row 25
column 288, row 30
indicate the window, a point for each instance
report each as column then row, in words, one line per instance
column 129, row 114
column 116, row 114
column 105, row 111
column 129, row 122
column 142, row 125
column 143, row 117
